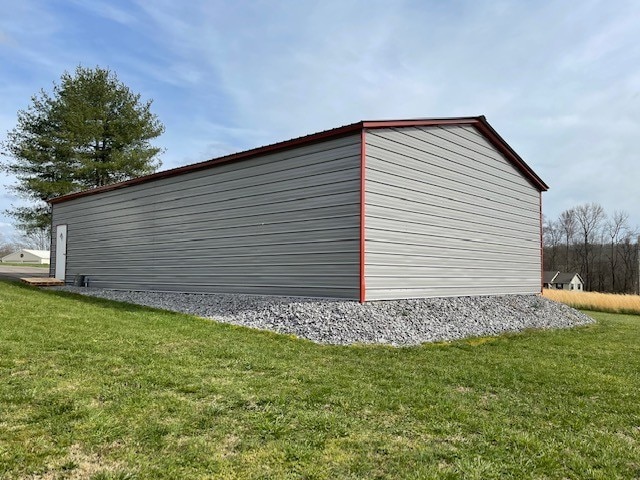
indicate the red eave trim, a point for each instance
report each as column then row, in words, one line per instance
column 423, row 122
column 478, row 122
column 276, row 147
column 499, row 142
column 483, row 127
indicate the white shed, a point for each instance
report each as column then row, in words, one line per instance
column 28, row 256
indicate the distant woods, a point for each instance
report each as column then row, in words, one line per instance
column 602, row 248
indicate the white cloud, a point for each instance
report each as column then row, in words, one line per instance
column 108, row 11
column 560, row 81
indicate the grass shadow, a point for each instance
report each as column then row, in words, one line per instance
column 91, row 300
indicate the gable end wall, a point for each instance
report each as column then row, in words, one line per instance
column 447, row 215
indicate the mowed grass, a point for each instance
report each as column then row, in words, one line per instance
column 601, row 302
column 17, row 264
column 97, row 389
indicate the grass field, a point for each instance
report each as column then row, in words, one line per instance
column 97, row 389
column 600, row 302
column 16, row 264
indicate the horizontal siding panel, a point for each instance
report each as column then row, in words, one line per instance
column 457, row 137
column 379, row 205
column 491, row 156
column 312, row 248
column 344, row 155
column 256, row 279
column 288, row 198
column 213, row 230
column 300, row 206
column 284, row 185
column 222, row 239
column 222, row 265
column 447, row 215
column 156, row 282
column 447, row 233
column 389, row 175
column 461, row 273
column 399, row 255
column 468, row 130
column 472, row 137
column 405, row 281
column 415, row 143
column 438, row 167
column 445, row 291
column 427, row 217
column 451, row 242
column 328, row 291
column 210, row 184
column 381, row 193
column 286, row 224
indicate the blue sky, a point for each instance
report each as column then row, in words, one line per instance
column 560, row 81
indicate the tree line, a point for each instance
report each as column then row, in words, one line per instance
column 602, row 248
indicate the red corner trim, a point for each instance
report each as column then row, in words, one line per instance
column 363, row 170
column 541, row 250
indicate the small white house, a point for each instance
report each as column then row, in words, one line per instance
column 28, row 256
column 563, row 281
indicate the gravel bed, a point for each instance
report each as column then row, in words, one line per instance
column 338, row 322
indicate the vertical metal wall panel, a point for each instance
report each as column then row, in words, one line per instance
column 447, row 215
column 284, row 223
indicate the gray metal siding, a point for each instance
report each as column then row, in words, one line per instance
column 52, row 248
column 286, row 223
column 447, row 215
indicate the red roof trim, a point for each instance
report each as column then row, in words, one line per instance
column 479, row 122
column 425, row 122
column 499, row 142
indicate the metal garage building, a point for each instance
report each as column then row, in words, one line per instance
column 369, row 211
column 25, row 255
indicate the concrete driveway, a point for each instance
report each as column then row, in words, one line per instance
column 15, row 273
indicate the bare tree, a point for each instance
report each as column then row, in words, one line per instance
column 589, row 218
column 567, row 224
column 551, row 236
column 615, row 228
column 603, row 249
column 6, row 246
column 36, row 239
column 629, row 255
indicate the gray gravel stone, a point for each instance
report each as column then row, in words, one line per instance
column 339, row 322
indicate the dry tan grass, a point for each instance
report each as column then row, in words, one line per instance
column 79, row 464
column 602, row 302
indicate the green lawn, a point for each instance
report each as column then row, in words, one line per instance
column 16, row 264
column 96, row 389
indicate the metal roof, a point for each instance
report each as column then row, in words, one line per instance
column 566, row 277
column 480, row 123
